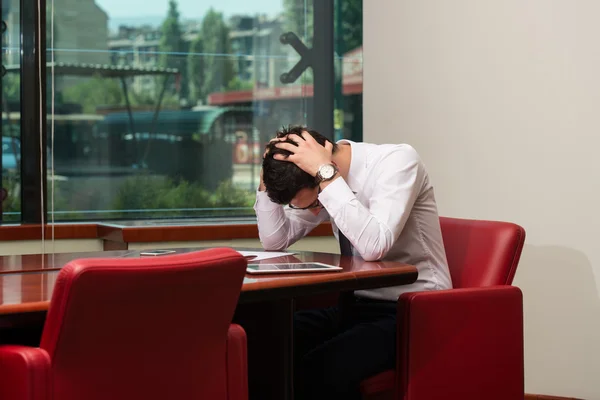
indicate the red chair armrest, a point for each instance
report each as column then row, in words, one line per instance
column 24, row 373
column 461, row 343
column 237, row 363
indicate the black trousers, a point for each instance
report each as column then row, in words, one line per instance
column 336, row 348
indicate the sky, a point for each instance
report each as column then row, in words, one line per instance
column 189, row 9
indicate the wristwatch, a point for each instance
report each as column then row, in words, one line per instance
column 326, row 172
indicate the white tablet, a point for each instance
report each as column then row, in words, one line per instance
column 156, row 252
column 285, row 268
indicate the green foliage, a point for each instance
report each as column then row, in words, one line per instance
column 11, row 182
column 12, row 202
column 299, row 19
column 93, row 92
column 196, row 69
column 219, row 68
column 172, row 37
column 151, row 192
column 150, row 98
column 97, row 91
column 227, row 195
column 351, row 20
column 11, row 87
column 173, row 46
column 237, row 84
column 159, row 193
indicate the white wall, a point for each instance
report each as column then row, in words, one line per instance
column 502, row 100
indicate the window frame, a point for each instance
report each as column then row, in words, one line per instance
column 33, row 115
column 34, row 188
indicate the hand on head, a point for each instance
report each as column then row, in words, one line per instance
column 291, row 162
column 304, row 151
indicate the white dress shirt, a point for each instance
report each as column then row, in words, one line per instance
column 386, row 208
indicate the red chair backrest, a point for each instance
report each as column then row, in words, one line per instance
column 481, row 253
column 143, row 328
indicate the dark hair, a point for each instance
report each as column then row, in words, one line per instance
column 283, row 179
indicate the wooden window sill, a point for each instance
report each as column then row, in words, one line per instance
column 119, row 234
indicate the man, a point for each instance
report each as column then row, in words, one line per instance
column 382, row 206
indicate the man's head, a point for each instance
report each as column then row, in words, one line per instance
column 284, row 180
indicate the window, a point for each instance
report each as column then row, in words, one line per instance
column 11, row 103
column 165, row 113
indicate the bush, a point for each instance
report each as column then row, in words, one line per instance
column 12, row 202
column 181, row 199
column 139, row 197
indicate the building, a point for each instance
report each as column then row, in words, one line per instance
column 79, row 25
column 136, row 47
column 260, row 57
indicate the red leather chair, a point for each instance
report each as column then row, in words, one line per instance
column 137, row 328
column 465, row 343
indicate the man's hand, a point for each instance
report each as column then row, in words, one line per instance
column 309, row 155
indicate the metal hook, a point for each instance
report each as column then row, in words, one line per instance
column 305, row 57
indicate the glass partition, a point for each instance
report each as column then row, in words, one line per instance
column 162, row 108
column 10, row 191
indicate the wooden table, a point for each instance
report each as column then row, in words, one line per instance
column 26, row 281
column 267, row 302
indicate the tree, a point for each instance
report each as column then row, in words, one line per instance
column 196, row 69
column 94, row 92
column 11, row 87
column 237, row 84
column 299, row 19
column 172, row 46
column 351, row 25
column 219, row 68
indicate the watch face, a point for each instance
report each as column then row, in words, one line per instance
column 327, row 171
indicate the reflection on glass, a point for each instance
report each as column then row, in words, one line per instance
column 10, row 192
column 162, row 108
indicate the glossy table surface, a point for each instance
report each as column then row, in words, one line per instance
column 27, row 281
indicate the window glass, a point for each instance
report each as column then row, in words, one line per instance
column 10, row 193
column 164, row 113
column 348, row 30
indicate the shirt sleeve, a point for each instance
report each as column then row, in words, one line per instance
column 373, row 230
column 279, row 227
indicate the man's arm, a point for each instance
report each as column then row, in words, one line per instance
column 374, row 230
column 279, row 227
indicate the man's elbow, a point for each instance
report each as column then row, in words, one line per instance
column 371, row 257
column 270, row 245
column 377, row 250
column 267, row 247
column 374, row 255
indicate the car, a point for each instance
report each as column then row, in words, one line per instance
column 11, row 153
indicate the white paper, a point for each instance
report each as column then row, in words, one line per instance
column 263, row 255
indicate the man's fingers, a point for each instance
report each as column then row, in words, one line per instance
column 308, row 137
column 281, row 157
column 328, row 145
column 287, row 146
column 296, row 138
column 276, row 139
